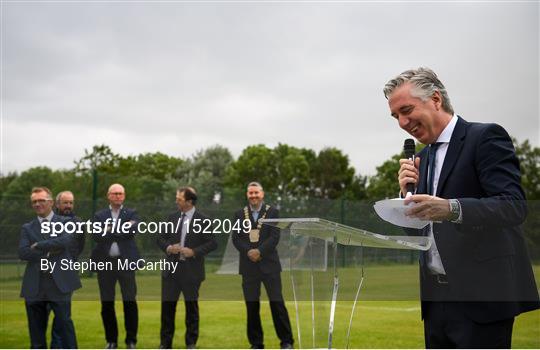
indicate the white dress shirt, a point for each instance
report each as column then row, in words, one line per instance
column 114, row 251
column 48, row 217
column 185, row 225
column 434, row 262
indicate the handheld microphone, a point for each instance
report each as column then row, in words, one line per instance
column 409, row 149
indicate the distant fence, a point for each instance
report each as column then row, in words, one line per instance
column 360, row 214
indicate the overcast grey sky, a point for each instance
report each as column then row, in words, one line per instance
column 178, row 77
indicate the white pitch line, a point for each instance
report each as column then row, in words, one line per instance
column 388, row 308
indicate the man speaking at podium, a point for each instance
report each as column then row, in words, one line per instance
column 477, row 275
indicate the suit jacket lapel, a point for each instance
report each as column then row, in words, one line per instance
column 122, row 214
column 452, row 154
column 36, row 230
column 174, row 237
column 193, row 217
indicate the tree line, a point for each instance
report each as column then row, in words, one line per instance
column 289, row 175
column 286, row 172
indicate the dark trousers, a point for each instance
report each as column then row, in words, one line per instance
column 38, row 309
column 56, row 340
column 107, row 284
column 251, row 286
column 447, row 325
column 171, row 287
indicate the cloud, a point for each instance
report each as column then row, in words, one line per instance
column 179, row 77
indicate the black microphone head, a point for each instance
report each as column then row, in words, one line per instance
column 409, row 148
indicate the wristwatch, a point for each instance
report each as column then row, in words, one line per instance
column 455, row 210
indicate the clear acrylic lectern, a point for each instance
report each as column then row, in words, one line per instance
column 321, row 286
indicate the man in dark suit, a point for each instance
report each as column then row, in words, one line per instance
column 65, row 202
column 111, row 247
column 186, row 247
column 44, row 288
column 259, row 263
column 477, row 275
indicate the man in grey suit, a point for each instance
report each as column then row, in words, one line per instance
column 47, row 287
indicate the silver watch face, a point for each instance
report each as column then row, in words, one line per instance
column 454, row 207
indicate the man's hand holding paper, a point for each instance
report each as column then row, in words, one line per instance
column 428, row 208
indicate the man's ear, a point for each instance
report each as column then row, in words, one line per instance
column 437, row 100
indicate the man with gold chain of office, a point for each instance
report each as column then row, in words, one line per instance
column 259, row 263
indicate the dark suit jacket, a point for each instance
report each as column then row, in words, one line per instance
column 202, row 243
column 126, row 241
column 58, row 247
column 484, row 257
column 268, row 241
column 79, row 238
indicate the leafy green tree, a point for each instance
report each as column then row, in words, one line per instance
column 384, row 184
column 255, row 163
column 297, row 173
column 333, row 175
column 15, row 206
column 5, row 180
column 101, row 158
column 529, row 159
column 292, row 170
column 357, row 189
column 144, row 176
column 23, row 184
column 156, row 165
column 206, row 171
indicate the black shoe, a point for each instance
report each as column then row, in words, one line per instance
column 163, row 346
column 286, row 346
column 131, row 345
column 191, row 346
column 111, row 345
column 257, row 346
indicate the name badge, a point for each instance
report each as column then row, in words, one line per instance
column 254, row 236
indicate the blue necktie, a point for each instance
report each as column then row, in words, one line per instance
column 432, row 152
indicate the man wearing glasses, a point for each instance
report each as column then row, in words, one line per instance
column 112, row 246
column 46, row 289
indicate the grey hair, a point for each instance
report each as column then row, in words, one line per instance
column 59, row 195
column 425, row 83
column 256, row 184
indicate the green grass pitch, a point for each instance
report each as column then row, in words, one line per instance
column 382, row 319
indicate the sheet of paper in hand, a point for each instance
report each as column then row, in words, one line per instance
column 393, row 211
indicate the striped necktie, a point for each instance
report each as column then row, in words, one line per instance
column 432, row 152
